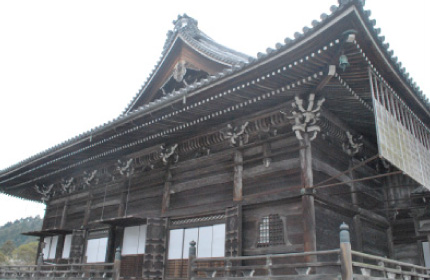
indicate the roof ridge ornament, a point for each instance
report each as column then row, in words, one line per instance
column 184, row 21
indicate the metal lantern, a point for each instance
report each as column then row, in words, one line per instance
column 343, row 62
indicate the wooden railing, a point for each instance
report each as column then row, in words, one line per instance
column 74, row 271
column 374, row 266
column 281, row 266
column 342, row 263
column 45, row 271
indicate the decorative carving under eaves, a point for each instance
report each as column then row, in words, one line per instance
column 46, row 191
column 353, row 145
column 68, row 185
column 237, row 134
column 179, row 71
column 382, row 166
column 125, row 168
column 200, row 142
column 201, row 152
column 168, row 154
column 305, row 116
column 89, row 178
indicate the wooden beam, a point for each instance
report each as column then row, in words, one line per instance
column 348, row 170
column 351, row 210
column 206, row 181
column 330, row 73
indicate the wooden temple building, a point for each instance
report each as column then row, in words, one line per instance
column 257, row 160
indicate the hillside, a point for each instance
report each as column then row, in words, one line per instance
column 12, row 230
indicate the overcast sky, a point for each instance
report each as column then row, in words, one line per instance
column 68, row 66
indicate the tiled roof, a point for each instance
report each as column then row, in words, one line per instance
column 242, row 63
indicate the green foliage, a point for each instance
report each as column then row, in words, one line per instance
column 26, row 253
column 3, row 259
column 7, row 248
column 12, row 230
column 16, row 248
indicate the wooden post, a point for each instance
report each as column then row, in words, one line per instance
column 358, row 233
column 355, row 201
column 39, row 265
column 64, row 214
column 166, row 193
column 117, row 264
column 308, row 203
column 123, row 200
column 191, row 256
column 87, row 208
column 238, row 173
column 345, row 253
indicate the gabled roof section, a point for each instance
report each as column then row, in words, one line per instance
column 186, row 48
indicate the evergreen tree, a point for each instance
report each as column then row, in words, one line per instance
column 7, row 248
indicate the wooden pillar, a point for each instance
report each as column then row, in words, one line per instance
column 345, row 253
column 64, row 214
column 39, row 249
column 308, row 203
column 45, row 220
column 166, row 193
column 238, row 173
column 87, row 209
column 391, row 252
column 357, row 218
column 123, row 200
column 110, row 254
column 117, row 264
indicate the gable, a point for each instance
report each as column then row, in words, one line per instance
column 188, row 56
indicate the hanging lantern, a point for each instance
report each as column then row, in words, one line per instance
column 343, row 62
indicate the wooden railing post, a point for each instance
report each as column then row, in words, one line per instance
column 191, row 257
column 39, row 266
column 269, row 266
column 117, row 264
column 345, row 253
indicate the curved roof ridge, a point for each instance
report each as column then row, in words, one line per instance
column 187, row 29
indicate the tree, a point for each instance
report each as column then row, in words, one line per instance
column 26, row 253
column 3, row 259
column 7, row 248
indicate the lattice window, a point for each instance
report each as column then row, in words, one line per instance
column 271, row 231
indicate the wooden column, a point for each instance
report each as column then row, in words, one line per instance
column 391, row 252
column 308, row 203
column 238, row 173
column 166, row 193
column 123, row 200
column 87, row 208
column 357, row 218
column 305, row 115
column 110, row 254
column 64, row 214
